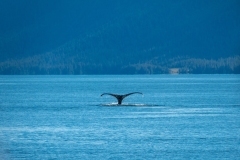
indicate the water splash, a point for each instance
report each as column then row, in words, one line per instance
column 129, row 105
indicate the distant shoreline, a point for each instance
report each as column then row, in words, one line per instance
column 38, row 65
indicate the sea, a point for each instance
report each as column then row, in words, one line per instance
column 66, row 118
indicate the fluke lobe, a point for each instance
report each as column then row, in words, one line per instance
column 121, row 97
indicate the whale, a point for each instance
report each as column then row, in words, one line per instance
column 120, row 97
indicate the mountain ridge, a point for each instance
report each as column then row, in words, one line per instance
column 115, row 37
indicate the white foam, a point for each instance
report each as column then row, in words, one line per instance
column 127, row 104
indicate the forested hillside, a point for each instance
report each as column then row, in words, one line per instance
column 119, row 37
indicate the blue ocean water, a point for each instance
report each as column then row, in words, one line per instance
column 64, row 117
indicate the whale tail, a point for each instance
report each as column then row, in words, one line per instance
column 120, row 97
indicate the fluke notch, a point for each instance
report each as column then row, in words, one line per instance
column 120, row 97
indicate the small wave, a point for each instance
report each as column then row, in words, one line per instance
column 129, row 105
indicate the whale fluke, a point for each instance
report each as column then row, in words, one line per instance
column 120, row 97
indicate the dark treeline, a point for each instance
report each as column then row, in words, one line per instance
column 58, row 65
column 230, row 65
